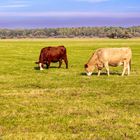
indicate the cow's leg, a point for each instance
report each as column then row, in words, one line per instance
column 107, row 68
column 128, row 69
column 66, row 62
column 60, row 63
column 48, row 64
column 40, row 66
column 99, row 72
column 124, row 68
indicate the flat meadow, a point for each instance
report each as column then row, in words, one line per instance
column 65, row 104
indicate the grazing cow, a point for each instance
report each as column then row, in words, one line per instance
column 105, row 57
column 52, row 54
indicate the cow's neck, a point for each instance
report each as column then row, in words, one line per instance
column 92, row 60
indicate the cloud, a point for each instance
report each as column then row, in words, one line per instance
column 133, row 7
column 92, row 1
column 14, row 4
column 70, row 14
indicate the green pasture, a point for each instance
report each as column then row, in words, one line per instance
column 65, row 104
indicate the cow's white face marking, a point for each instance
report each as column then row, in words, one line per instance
column 89, row 69
column 40, row 65
column 89, row 73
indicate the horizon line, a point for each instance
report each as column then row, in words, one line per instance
column 72, row 14
column 32, row 28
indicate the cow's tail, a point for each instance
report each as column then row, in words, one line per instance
column 130, row 64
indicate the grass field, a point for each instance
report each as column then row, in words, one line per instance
column 65, row 104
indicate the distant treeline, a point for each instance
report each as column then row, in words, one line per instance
column 81, row 32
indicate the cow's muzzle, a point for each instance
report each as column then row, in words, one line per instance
column 89, row 73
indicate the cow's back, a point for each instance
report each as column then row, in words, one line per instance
column 114, row 55
column 57, row 51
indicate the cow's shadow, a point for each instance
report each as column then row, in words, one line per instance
column 82, row 73
column 51, row 67
column 102, row 73
column 36, row 68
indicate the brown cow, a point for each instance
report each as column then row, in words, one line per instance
column 105, row 57
column 52, row 54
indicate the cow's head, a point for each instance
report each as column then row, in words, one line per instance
column 89, row 69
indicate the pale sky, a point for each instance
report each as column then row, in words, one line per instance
column 68, row 13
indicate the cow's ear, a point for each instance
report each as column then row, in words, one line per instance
column 86, row 65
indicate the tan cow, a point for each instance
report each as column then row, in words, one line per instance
column 105, row 57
